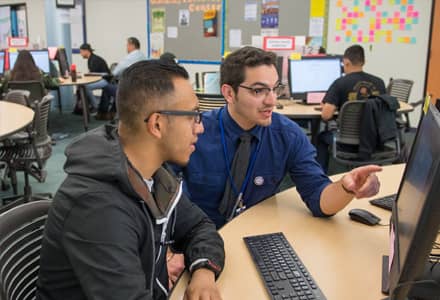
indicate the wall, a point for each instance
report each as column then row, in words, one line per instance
column 433, row 81
column 35, row 18
column 396, row 60
column 110, row 22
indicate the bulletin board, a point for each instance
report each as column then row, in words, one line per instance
column 179, row 27
column 394, row 34
column 293, row 19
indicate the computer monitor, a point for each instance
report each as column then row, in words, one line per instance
column 2, row 63
column 63, row 62
column 416, row 218
column 41, row 58
column 312, row 75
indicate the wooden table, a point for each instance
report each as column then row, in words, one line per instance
column 13, row 118
column 294, row 109
column 344, row 257
column 81, row 83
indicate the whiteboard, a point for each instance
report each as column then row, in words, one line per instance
column 396, row 58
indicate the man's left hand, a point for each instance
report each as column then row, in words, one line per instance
column 362, row 181
column 202, row 286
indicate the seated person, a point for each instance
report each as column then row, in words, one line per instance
column 236, row 180
column 106, row 110
column 113, row 217
column 355, row 85
column 25, row 69
column 95, row 64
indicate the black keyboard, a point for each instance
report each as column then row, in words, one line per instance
column 385, row 202
column 283, row 273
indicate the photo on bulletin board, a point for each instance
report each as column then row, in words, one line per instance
column 183, row 17
column 210, row 23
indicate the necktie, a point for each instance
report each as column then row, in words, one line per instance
column 238, row 172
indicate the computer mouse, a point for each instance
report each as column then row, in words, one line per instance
column 363, row 216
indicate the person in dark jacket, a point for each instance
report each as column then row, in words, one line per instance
column 96, row 64
column 355, row 85
column 118, row 210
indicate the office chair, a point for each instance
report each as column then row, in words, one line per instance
column 401, row 89
column 21, row 234
column 210, row 101
column 346, row 140
column 29, row 154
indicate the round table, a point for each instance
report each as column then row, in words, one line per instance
column 13, row 118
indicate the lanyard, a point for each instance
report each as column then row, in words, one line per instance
column 239, row 194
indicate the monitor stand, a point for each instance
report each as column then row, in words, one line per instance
column 429, row 289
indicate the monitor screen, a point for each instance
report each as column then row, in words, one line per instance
column 41, row 58
column 2, row 62
column 61, row 56
column 416, row 217
column 312, row 74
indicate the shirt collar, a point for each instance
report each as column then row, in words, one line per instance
column 234, row 130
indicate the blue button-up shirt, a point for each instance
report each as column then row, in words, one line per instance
column 283, row 148
column 131, row 58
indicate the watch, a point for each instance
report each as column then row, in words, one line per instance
column 207, row 264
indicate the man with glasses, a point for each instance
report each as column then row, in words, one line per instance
column 119, row 209
column 250, row 85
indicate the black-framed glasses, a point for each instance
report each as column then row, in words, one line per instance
column 263, row 92
column 196, row 114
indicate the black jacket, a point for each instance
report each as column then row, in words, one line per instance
column 106, row 236
column 378, row 124
column 97, row 64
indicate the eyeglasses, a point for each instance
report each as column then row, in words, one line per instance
column 263, row 92
column 196, row 114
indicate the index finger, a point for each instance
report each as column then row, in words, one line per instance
column 367, row 170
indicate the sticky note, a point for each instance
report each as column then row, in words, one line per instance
column 396, row 20
column 360, row 32
column 367, row 2
column 339, row 3
column 402, row 26
column 348, row 33
column 402, row 21
column 355, row 15
column 349, row 21
column 367, row 8
column 350, row 15
column 408, row 27
column 337, row 38
column 365, row 39
column 413, row 40
column 415, row 21
column 403, row 8
column 378, row 14
column 384, row 14
column 397, row 2
column 384, row 21
column 388, row 39
column 354, row 39
column 396, row 14
column 371, row 39
column 410, row 7
column 379, row 2
column 359, row 39
column 344, row 9
column 361, row 14
column 408, row 21
column 403, row 2
column 355, row 26
column 410, row 1
column 344, row 21
column 373, row 7
column 347, row 39
column 295, row 56
column 378, row 26
column 415, row 14
column 371, row 32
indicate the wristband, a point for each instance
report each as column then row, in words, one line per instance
column 207, row 264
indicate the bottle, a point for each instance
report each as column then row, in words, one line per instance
column 73, row 72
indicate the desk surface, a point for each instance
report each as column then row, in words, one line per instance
column 344, row 257
column 297, row 110
column 13, row 118
column 80, row 81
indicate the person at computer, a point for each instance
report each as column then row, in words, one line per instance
column 250, row 86
column 119, row 208
column 95, row 64
column 107, row 107
column 25, row 69
column 355, row 85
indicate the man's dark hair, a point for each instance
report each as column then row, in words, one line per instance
column 143, row 86
column 232, row 69
column 355, row 54
column 134, row 41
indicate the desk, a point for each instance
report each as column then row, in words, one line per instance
column 81, row 83
column 13, row 118
column 294, row 110
column 344, row 257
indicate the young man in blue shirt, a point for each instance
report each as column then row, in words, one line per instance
column 250, row 85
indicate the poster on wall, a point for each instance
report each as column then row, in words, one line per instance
column 250, row 11
column 158, row 20
column 5, row 26
column 210, row 23
column 269, row 13
column 157, row 44
column 184, row 17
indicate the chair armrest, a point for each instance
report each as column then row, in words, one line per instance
column 417, row 103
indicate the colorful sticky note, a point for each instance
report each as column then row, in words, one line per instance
column 371, row 32
column 384, row 14
column 396, row 14
column 360, row 32
column 408, row 26
column 355, row 15
column 348, row 33
column 409, row 20
column 410, row 7
column 295, row 56
column 337, row 38
column 402, row 26
column 397, row 2
column 355, row 27
column 403, row 2
column 403, row 8
column 384, row 21
column 343, row 27
column 367, row 8
column 415, row 21
column 344, row 21
column 347, row 39
column 372, row 20
column 391, row 2
column 373, row 7
column 355, row 8
column 350, row 15
column 354, row 39
column 410, row 1
column 389, row 32
column 415, row 14
column 388, row 39
column 367, row 2
column 378, row 26
column 339, row 3
column 349, row 21
column 344, row 9
column 356, row 2
column 396, row 20
column 402, row 21
column 361, row 14
column 413, row 40
column 389, row 20
column 379, row 2
column 371, row 39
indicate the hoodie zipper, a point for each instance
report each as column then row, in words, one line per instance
column 153, row 263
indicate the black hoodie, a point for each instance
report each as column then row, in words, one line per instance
column 106, row 236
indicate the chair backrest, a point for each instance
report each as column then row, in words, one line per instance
column 400, row 88
column 349, row 121
column 35, row 87
column 42, row 109
column 210, row 101
column 21, row 233
column 18, row 97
